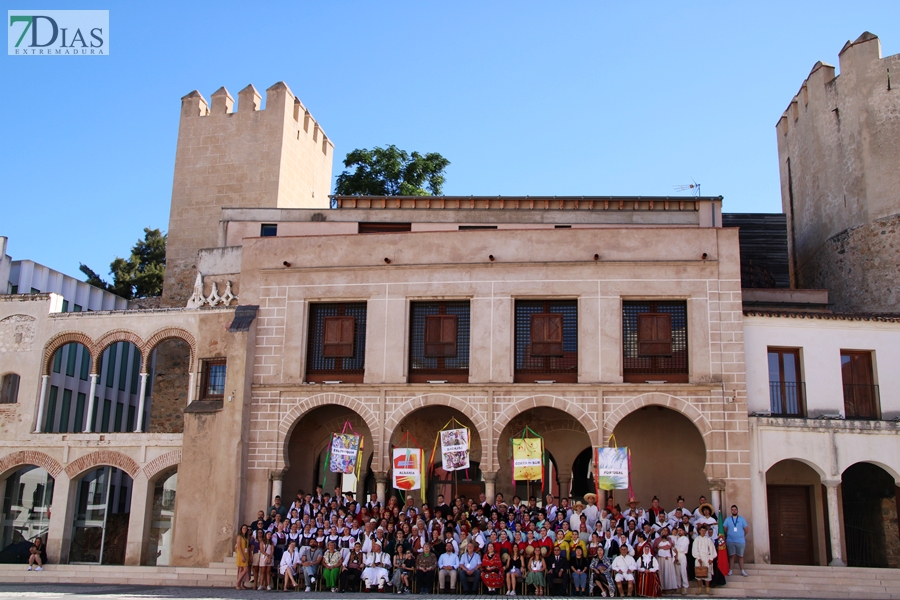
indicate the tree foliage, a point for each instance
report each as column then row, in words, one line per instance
column 140, row 275
column 391, row 172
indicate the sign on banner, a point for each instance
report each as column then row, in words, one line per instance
column 611, row 468
column 528, row 464
column 455, row 449
column 407, row 468
column 344, row 452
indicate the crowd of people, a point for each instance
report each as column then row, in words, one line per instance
column 333, row 542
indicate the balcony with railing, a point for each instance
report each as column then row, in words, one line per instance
column 786, row 398
column 862, row 401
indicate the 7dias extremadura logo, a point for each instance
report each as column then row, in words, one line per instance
column 58, row 33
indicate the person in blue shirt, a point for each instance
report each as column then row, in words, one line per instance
column 736, row 528
column 469, row 570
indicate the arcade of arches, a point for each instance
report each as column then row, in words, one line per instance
column 803, row 510
column 668, row 454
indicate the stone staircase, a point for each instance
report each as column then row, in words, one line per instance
column 216, row 575
column 789, row 581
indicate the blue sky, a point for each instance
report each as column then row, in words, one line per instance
column 563, row 98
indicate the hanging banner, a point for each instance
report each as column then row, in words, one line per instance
column 455, row 449
column 407, row 468
column 527, row 459
column 611, row 468
column 344, row 452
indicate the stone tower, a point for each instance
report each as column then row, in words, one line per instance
column 278, row 157
column 839, row 158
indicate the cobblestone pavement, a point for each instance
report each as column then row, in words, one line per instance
column 141, row 592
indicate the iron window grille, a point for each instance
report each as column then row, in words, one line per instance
column 439, row 341
column 546, row 340
column 336, row 344
column 649, row 351
column 212, row 386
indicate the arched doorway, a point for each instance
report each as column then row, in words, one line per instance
column 584, row 463
column 308, row 444
column 66, row 406
column 27, row 496
column 869, row 495
column 423, row 425
column 564, row 440
column 168, row 386
column 118, row 391
column 162, row 519
column 668, row 456
column 102, row 509
column 796, row 510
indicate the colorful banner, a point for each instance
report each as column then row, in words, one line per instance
column 611, row 468
column 455, row 449
column 407, row 469
column 344, row 452
column 528, row 464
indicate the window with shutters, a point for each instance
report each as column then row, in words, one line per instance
column 546, row 341
column 336, row 343
column 439, row 342
column 861, row 397
column 655, row 344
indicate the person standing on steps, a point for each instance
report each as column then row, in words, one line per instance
column 736, row 529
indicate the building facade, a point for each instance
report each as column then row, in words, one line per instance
column 593, row 321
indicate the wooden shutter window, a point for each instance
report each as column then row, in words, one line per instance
column 440, row 335
column 654, row 334
column 337, row 341
column 547, row 334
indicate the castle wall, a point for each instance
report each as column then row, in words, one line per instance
column 277, row 157
column 839, row 147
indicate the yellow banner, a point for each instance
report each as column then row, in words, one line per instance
column 528, row 464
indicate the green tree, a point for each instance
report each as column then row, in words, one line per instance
column 140, row 275
column 391, row 172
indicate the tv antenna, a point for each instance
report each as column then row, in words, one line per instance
column 693, row 188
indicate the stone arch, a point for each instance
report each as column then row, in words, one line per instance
column 160, row 336
column 335, row 425
column 890, row 470
column 455, row 402
column 100, row 458
column 161, row 463
column 304, row 405
column 30, row 457
column 817, row 469
column 659, row 399
column 675, row 403
column 61, row 339
column 566, row 405
column 110, row 338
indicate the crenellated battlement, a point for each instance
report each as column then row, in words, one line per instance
column 838, row 148
column 244, row 155
column 280, row 101
column 859, row 59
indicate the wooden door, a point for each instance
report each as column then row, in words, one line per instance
column 790, row 525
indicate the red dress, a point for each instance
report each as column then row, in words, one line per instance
column 492, row 571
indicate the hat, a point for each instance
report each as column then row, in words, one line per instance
column 633, row 501
column 578, row 503
column 529, row 550
column 590, row 495
column 712, row 509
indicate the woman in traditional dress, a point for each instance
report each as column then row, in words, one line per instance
column 704, row 551
column 492, row 569
column 664, row 546
column 601, row 575
column 648, row 585
column 537, row 570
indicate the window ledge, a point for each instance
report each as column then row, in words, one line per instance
column 204, row 406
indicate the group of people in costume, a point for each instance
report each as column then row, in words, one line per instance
column 333, row 542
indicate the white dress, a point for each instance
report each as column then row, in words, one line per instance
column 664, row 554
